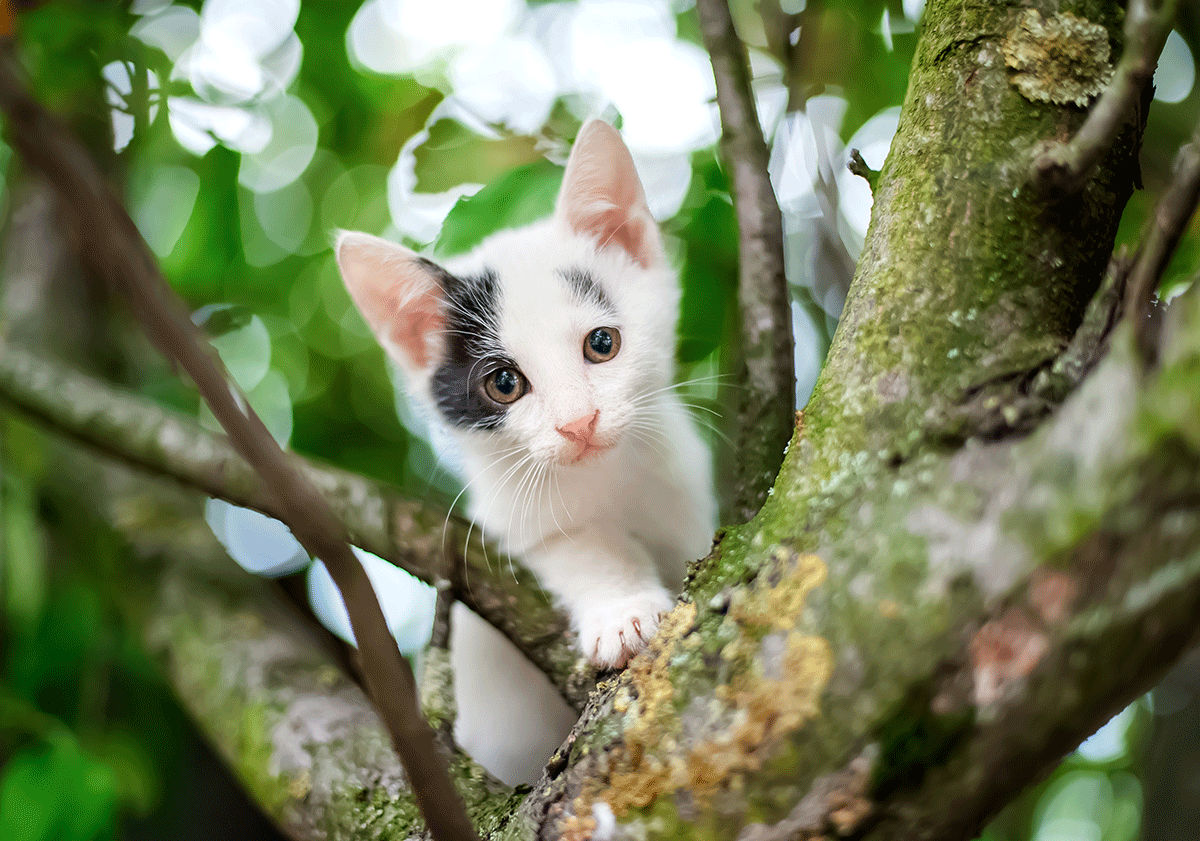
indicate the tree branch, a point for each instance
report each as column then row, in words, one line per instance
column 1171, row 216
column 1067, row 166
column 299, row 733
column 858, row 165
column 409, row 534
column 111, row 244
column 964, row 278
column 765, row 417
column 437, row 676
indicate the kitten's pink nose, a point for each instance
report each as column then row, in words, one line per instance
column 581, row 429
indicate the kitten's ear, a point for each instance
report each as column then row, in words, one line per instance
column 396, row 291
column 602, row 197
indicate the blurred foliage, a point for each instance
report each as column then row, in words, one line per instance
column 238, row 171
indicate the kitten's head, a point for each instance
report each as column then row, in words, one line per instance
column 548, row 340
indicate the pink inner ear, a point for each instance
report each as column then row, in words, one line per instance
column 396, row 294
column 602, row 196
column 411, row 327
column 616, row 227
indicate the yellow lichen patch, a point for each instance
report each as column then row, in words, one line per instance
column 577, row 828
column 769, row 603
column 1062, row 59
column 300, row 787
column 777, row 674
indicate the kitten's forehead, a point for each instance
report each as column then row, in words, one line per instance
column 546, row 277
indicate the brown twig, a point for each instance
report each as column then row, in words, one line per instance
column 111, row 245
column 1165, row 228
column 765, row 416
column 1066, row 167
column 1091, row 340
column 796, row 58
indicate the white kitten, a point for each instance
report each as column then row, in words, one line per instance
column 547, row 358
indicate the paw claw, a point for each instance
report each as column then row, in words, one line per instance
column 618, row 629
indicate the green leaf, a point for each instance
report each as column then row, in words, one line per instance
column 23, row 570
column 453, row 154
column 55, row 791
column 521, row 196
column 710, row 268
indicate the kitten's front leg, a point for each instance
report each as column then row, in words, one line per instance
column 609, row 587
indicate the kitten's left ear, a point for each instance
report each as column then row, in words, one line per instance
column 602, row 196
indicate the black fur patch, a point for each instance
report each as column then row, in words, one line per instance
column 472, row 350
column 585, row 287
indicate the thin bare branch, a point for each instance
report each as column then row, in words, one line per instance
column 765, row 419
column 111, row 245
column 1091, row 340
column 1171, row 216
column 1066, row 167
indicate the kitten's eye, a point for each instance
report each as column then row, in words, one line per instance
column 505, row 385
column 602, row 344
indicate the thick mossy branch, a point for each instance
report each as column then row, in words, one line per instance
column 968, row 278
column 409, row 534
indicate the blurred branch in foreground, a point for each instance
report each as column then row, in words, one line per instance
column 111, row 244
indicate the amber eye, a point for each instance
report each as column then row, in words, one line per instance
column 505, row 385
column 602, row 344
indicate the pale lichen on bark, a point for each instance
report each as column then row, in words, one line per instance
column 1062, row 59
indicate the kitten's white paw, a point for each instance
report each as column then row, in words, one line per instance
column 612, row 632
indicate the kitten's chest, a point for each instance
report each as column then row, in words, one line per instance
column 521, row 510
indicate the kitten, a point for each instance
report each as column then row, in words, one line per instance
column 546, row 357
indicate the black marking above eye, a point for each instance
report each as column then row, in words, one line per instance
column 602, row 344
column 585, row 287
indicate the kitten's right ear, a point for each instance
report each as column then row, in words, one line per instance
column 397, row 294
column 602, row 197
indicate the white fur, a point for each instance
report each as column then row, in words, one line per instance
column 609, row 537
